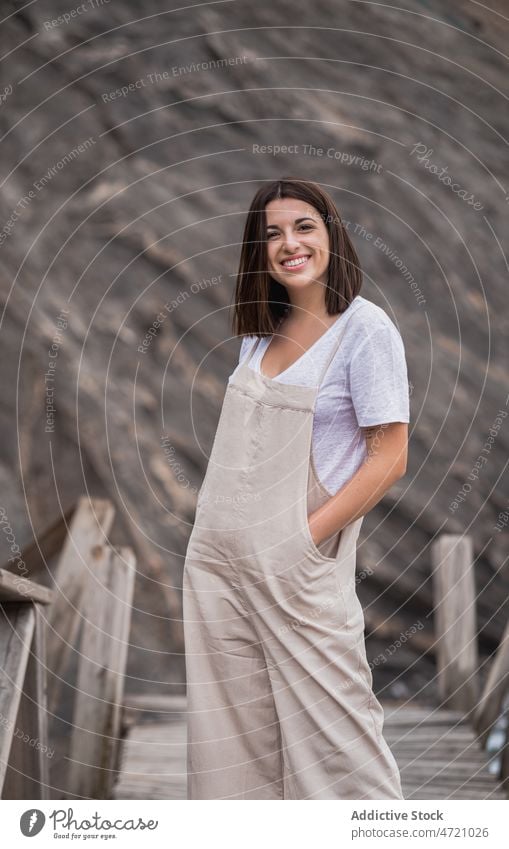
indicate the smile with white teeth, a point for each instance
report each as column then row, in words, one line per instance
column 291, row 263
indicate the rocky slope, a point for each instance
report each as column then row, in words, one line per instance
column 130, row 153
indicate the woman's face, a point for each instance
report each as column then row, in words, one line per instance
column 297, row 243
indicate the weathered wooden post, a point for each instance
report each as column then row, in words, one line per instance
column 491, row 703
column 455, row 621
column 497, row 684
column 106, row 615
column 504, row 766
column 91, row 591
column 24, row 748
column 90, row 525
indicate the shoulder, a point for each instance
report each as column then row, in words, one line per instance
column 369, row 322
column 369, row 315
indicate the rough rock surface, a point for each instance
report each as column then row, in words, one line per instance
column 154, row 202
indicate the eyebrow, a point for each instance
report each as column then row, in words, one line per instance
column 297, row 221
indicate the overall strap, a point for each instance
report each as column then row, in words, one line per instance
column 343, row 323
column 256, row 344
column 253, row 349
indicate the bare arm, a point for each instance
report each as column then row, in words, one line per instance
column 386, row 462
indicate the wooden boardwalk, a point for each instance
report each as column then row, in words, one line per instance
column 113, row 746
column 153, row 756
column 436, row 750
column 438, row 754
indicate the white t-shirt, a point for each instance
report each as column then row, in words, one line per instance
column 366, row 384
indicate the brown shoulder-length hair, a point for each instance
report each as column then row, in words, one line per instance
column 260, row 301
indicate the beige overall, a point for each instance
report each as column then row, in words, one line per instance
column 279, row 690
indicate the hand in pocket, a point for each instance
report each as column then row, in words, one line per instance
column 312, row 529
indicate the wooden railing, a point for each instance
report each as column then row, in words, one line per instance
column 456, row 651
column 23, row 720
column 76, row 603
column 72, row 613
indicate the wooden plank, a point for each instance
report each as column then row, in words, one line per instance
column 427, row 732
column 497, row 683
column 139, row 707
column 157, row 702
column 404, row 713
column 437, row 752
column 432, row 794
column 36, row 554
column 154, row 762
column 439, row 763
column 437, row 760
column 427, row 754
column 17, row 625
column 15, row 588
column 455, row 620
column 453, row 782
column 450, row 767
column 504, row 765
column 103, row 650
column 90, row 525
column 450, row 741
column 437, row 732
column 27, row 775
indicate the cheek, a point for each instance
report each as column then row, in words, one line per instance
column 271, row 255
column 321, row 251
column 324, row 250
column 317, row 241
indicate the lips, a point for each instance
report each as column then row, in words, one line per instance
column 296, row 261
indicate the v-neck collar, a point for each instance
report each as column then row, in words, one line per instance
column 313, row 345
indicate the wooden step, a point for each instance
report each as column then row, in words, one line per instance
column 437, row 752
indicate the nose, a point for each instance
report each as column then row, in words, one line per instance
column 290, row 242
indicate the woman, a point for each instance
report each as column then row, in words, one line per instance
column 312, row 433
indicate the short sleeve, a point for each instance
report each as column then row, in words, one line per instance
column 379, row 379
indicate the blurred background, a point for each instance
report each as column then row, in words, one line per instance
column 133, row 139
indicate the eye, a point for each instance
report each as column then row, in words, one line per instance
column 301, row 226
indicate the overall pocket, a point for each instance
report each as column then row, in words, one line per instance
column 317, row 551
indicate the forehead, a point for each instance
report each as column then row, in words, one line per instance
column 287, row 209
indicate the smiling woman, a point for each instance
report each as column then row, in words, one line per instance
column 285, row 250
column 279, row 689
column 280, row 229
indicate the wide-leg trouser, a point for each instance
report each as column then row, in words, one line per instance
column 280, row 701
